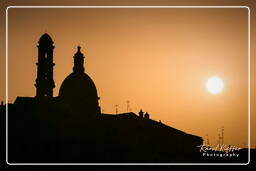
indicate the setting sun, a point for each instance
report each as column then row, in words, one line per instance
column 215, row 85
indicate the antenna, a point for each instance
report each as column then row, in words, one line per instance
column 221, row 136
column 207, row 139
column 116, row 108
column 219, row 139
column 128, row 107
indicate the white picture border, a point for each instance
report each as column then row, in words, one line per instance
column 249, row 102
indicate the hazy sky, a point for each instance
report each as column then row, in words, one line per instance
column 158, row 59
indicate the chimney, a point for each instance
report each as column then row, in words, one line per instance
column 146, row 116
column 141, row 113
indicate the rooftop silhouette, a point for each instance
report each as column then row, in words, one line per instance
column 72, row 128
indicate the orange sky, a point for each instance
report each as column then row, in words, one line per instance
column 158, row 59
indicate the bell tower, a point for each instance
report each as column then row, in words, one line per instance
column 44, row 81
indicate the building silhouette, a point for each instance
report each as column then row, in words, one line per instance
column 71, row 127
column 44, row 81
column 78, row 90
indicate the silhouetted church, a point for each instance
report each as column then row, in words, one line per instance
column 71, row 127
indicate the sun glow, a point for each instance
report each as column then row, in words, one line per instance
column 215, row 85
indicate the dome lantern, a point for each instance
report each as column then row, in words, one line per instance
column 78, row 61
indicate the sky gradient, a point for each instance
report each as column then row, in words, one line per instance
column 158, row 59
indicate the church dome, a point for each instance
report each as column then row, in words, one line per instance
column 45, row 39
column 78, row 86
column 78, row 91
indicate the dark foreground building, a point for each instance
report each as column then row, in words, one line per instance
column 71, row 127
